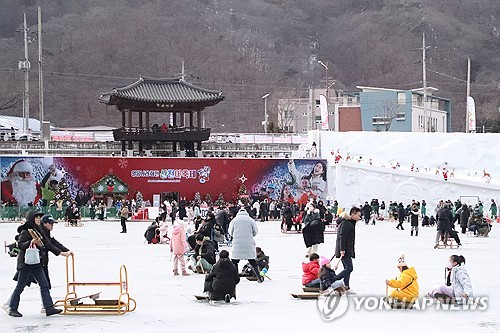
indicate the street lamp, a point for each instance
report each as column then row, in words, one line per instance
column 326, row 79
column 265, row 112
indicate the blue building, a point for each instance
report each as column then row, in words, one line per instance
column 403, row 110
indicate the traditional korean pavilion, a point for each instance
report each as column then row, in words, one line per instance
column 175, row 99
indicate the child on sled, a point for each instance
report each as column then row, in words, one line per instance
column 458, row 283
column 262, row 263
column 310, row 277
column 406, row 285
column 328, row 279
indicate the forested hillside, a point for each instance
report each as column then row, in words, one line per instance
column 248, row 48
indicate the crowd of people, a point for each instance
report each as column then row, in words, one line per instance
column 199, row 249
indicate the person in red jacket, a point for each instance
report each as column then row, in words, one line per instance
column 310, row 277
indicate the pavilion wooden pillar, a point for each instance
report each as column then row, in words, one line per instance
column 174, row 119
column 123, row 127
column 148, row 125
column 140, row 130
column 130, row 142
column 198, row 143
column 191, row 120
column 182, row 120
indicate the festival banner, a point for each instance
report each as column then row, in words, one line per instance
column 42, row 180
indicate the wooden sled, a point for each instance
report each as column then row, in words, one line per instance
column 71, row 303
column 306, row 295
column 446, row 244
column 445, row 299
column 78, row 224
column 206, row 298
column 285, row 231
column 331, row 228
column 254, row 278
column 201, row 297
column 399, row 305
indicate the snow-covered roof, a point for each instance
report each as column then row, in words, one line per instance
column 17, row 122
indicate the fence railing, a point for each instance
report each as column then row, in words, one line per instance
column 15, row 213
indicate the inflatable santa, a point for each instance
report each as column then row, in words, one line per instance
column 19, row 186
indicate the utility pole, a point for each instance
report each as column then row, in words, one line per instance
column 25, row 66
column 467, row 129
column 40, row 75
column 424, row 79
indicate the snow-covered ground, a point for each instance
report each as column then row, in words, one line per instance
column 166, row 302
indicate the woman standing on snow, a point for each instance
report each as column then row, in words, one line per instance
column 414, row 213
column 312, row 229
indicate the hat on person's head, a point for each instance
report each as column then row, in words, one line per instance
column 323, row 261
column 401, row 260
column 48, row 219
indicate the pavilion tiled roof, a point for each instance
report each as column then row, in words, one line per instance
column 173, row 90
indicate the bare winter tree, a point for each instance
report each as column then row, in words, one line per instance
column 286, row 107
column 387, row 112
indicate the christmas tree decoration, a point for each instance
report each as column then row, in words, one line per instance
column 220, row 200
column 208, row 199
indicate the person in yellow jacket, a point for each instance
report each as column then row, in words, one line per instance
column 406, row 285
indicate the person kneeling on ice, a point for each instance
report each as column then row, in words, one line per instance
column 406, row 285
column 328, row 279
column 204, row 258
column 262, row 263
column 310, row 277
column 458, row 283
column 222, row 280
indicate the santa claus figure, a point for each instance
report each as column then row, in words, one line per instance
column 20, row 187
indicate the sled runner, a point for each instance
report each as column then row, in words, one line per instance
column 201, row 297
column 395, row 304
column 443, row 298
column 306, row 295
column 310, row 290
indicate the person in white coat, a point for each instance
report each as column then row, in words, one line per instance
column 243, row 229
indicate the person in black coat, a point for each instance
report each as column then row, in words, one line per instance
column 51, row 244
column 414, row 213
column 222, row 280
column 366, row 212
column 27, row 271
column 328, row 217
column 444, row 219
column 344, row 247
column 287, row 217
column 312, row 230
column 401, row 216
column 464, row 212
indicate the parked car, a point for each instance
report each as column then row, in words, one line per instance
column 24, row 136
